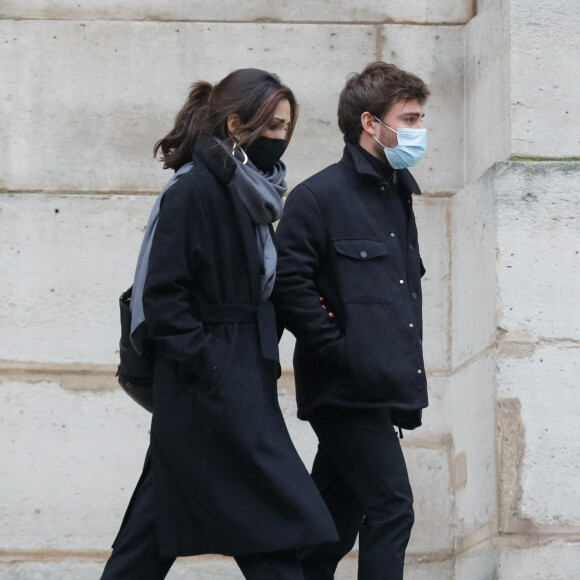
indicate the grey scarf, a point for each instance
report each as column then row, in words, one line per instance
column 261, row 193
column 137, row 314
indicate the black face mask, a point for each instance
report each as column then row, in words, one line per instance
column 265, row 152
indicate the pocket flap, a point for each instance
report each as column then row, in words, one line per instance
column 360, row 248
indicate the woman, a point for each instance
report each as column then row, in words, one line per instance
column 221, row 474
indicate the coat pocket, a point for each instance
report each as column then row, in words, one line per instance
column 218, row 362
column 363, row 267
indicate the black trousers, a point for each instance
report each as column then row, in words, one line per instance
column 136, row 555
column 360, row 471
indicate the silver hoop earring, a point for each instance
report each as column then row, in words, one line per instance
column 245, row 161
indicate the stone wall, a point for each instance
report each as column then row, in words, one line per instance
column 87, row 88
column 538, row 269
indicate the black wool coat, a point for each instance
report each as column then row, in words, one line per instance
column 226, row 475
column 337, row 240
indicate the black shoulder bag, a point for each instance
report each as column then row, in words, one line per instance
column 135, row 372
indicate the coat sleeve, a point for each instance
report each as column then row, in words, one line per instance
column 166, row 296
column 301, row 245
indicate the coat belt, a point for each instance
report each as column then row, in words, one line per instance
column 241, row 313
column 225, row 313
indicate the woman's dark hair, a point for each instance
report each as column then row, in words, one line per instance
column 376, row 90
column 250, row 93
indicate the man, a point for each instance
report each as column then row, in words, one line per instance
column 349, row 288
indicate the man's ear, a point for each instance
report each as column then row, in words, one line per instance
column 234, row 122
column 367, row 121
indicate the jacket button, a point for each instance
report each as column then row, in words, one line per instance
column 382, row 188
column 392, row 234
column 411, row 247
column 419, row 372
column 414, row 295
column 401, row 281
column 363, row 254
column 411, row 325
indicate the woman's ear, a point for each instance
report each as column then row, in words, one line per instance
column 234, row 122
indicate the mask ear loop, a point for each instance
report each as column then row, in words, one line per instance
column 245, row 160
column 385, row 125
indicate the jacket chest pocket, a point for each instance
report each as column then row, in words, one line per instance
column 363, row 267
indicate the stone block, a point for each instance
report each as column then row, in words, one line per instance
column 429, row 473
column 59, row 569
column 559, row 560
column 428, row 570
column 423, row 11
column 545, row 65
column 543, row 382
column 487, row 88
column 473, row 271
column 480, row 563
column 437, row 417
column 434, row 53
column 474, row 437
column 538, row 238
column 433, row 224
column 65, row 261
column 69, row 463
column 86, row 119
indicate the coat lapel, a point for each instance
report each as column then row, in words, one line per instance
column 249, row 243
column 224, row 167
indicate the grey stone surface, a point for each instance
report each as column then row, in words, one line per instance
column 545, row 65
column 437, row 417
column 545, row 382
column 65, row 261
column 474, row 435
column 429, row 473
column 473, row 271
column 538, row 260
column 487, row 88
column 433, row 224
column 481, row 563
column 560, row 560
column 70, row 461
column 422, row 11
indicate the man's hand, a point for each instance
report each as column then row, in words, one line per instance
column 330, row 314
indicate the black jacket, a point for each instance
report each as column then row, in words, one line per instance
column 336, row 240
column 226, row 476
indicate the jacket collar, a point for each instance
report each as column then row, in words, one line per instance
column 209, row 152
column 356, row 160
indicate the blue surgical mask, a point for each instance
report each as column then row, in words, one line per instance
column 411, row 146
